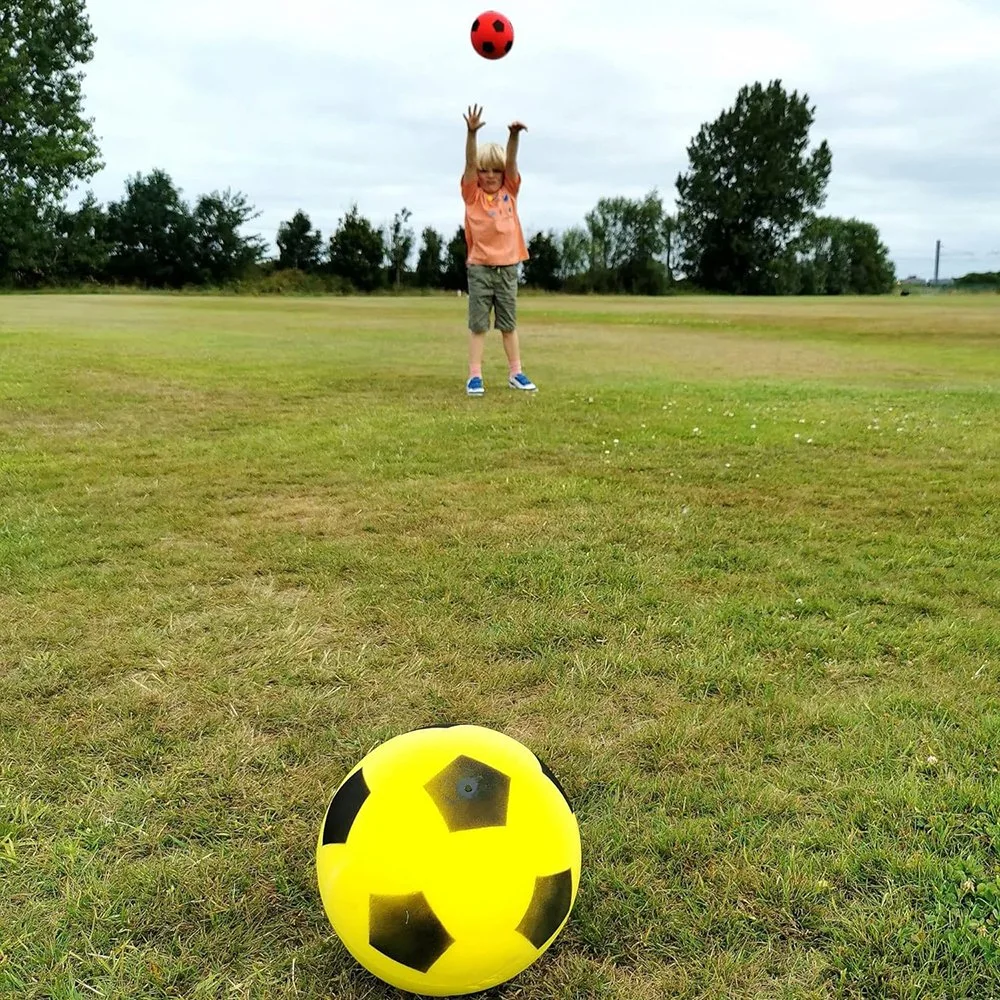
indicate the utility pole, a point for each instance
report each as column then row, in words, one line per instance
column 937, row 261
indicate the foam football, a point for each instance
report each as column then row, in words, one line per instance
column 448, row 860
column 492, row 35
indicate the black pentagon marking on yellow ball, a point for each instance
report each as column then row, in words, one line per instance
column 548, row 908
column 475, row 24
column 405, row 929
column 344, row 809
column 487, row 46
column 498, row 26
column 470, row 795
column 546, row 770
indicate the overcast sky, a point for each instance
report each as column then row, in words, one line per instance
column 318, row 104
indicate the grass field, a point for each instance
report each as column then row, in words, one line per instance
column 733, row 572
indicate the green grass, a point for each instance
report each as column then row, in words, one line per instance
column 732, row 573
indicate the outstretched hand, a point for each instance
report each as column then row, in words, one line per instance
column 516, row 127
column 473, row 118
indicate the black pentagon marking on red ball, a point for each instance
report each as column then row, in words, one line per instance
column 470, row 795
column 549, row 907
column 405, row 929
column 488, row 46
column 475, row 24
column 344, row 809
column 547, row 771
column 508, row 47
column 498, row 26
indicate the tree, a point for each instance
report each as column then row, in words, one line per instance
column 842, row 257
column 979, row 279
column 299, row 246
column 81, row 243
column 153, row 235
column 46, row 144
column 455, row 277
column 223, row 253
column 541, row 269
column 357, row 252
column 574, row 258
column 429, row 270
column 400, row 245
column 626, row 239
column 750, row 188
column 670, row 243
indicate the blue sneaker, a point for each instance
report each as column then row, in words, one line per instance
column 521, row 381
column 474, row 387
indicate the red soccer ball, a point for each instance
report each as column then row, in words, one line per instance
column 492, row 35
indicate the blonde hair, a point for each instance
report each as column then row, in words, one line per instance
column 491, row 157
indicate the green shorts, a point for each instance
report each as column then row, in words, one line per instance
column 496, row 288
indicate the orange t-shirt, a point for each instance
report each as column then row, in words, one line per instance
column 492, row 229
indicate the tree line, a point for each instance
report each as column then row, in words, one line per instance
column 746, row 219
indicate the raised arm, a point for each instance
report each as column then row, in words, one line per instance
column 516, row 128
column 474, row 122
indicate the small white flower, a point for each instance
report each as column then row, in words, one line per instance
column 809, row 441
column 615, row 441
column 797, row 436
column 697, row 430
column 590, row 399
column 932, row 759
column 798, row 600
column 753, row 427
column 727, row 465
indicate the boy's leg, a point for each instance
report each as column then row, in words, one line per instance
column 512, row 348
column 507, row 322
column 480, row 298
column 516, row 377
column 477, row 345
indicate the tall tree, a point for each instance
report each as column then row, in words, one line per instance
column 153, row 234
column 46, row 144
column 541, row 269
column 428, row 273
column 300, row 247
column 357, row 252
column 750, row 187
column 400, row 244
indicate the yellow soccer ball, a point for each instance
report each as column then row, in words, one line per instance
column 448, row 860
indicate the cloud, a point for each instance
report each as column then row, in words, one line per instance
column 313, row 105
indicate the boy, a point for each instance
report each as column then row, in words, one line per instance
column 495, row 248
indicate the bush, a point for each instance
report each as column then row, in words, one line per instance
column 292, row 282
